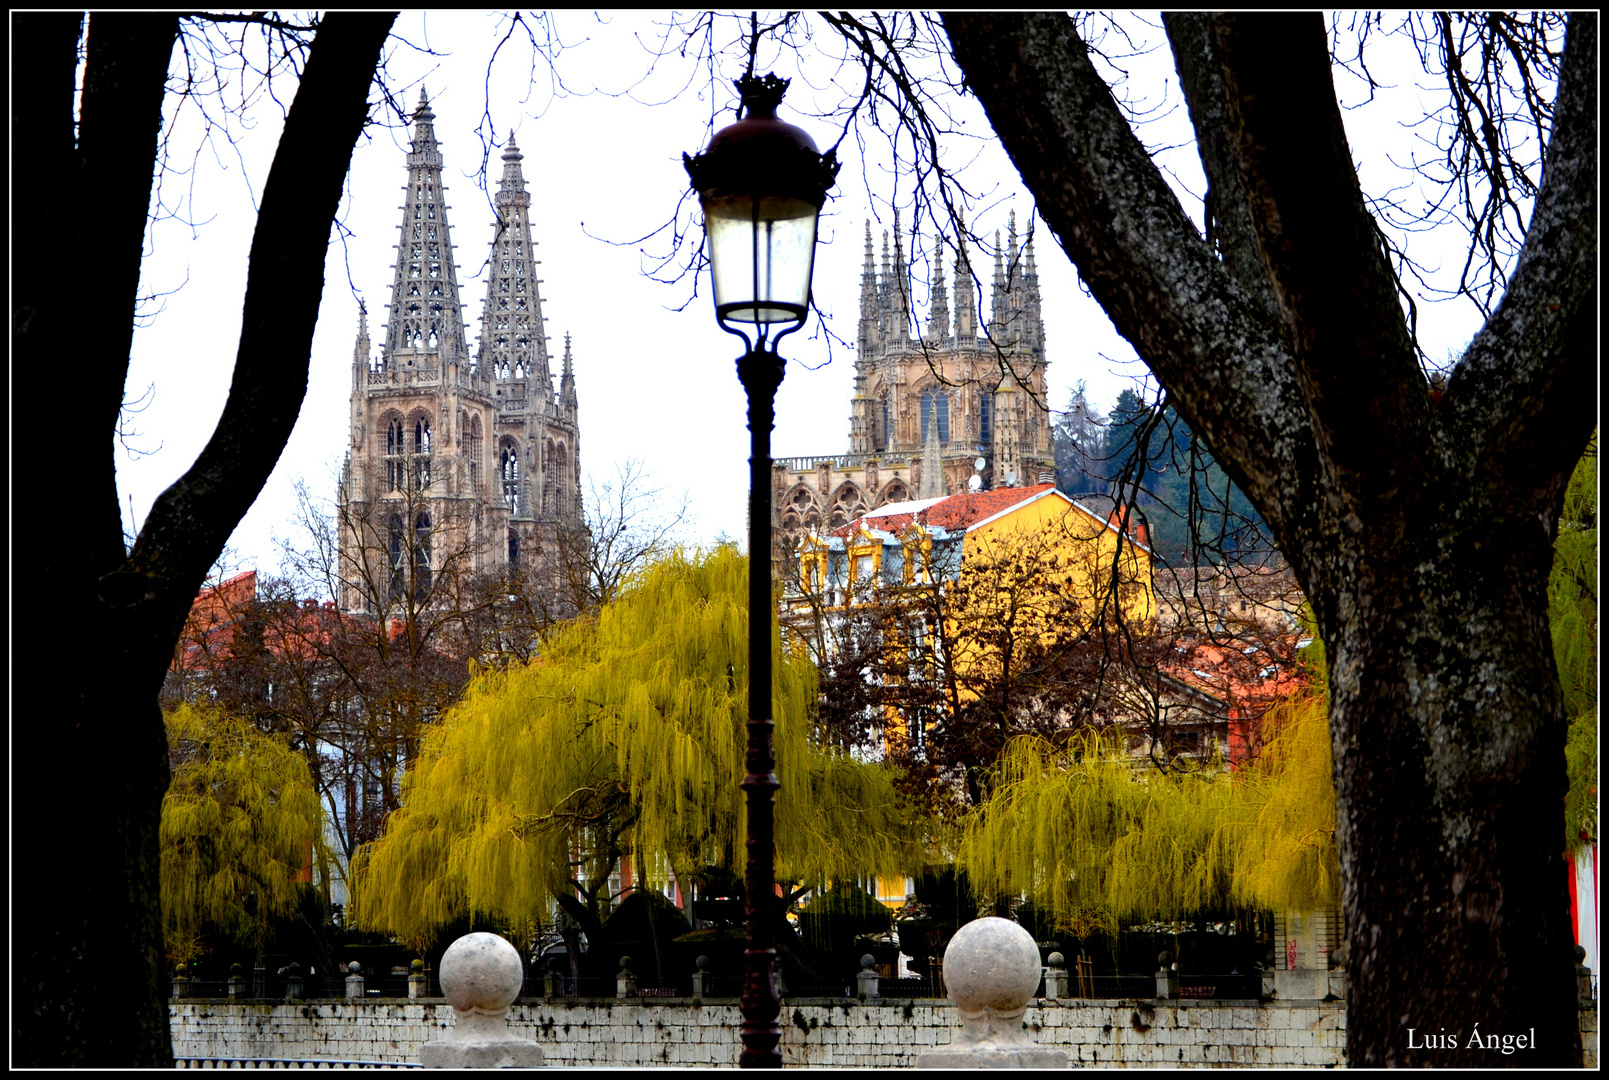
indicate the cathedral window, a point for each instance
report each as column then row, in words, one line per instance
column 397, row 544
column 511, row 476
column 421, row 453
column 513, row 549
column 435, row 269
column 416, row 232
column 395, row 453
column 435, row 288
column 519, row 302
column 413, row 269
column 413, row 288
column 421, row 556
column 986, row 426
column 430, row 211
column 474, row 454
column 887, row 437
column 519, row 285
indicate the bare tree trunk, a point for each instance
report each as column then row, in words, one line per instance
column 1421, row 531
column 89, row 977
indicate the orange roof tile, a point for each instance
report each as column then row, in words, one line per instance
column 955, row 512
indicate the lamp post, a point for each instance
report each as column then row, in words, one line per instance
column 761, row 183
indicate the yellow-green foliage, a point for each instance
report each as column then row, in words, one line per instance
column 241, row 818
column 1099, row 842
column 1573, row 619
column 642, row 709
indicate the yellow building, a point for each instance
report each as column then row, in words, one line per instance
column 957, row 586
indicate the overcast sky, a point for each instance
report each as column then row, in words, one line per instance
column 603, row 166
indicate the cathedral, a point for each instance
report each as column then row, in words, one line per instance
column 957, row 407
column 459, row 463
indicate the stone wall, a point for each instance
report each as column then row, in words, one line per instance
column 820, row 1032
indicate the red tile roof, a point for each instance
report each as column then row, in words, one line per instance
column 955, row 512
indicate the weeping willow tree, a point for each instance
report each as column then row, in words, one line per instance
column 1573, row 618
column 627, row 735
column 1098, row 841
column 240, row 824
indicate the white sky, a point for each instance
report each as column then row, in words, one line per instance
column 654, row 383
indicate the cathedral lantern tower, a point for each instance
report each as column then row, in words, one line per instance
column 932, row 396
column 460, row 462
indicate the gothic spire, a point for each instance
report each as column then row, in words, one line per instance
column 567, row 399
column 1033, row 321
column 938, row 312
column 932, row 485
column 1000, row 303
column 425, row 325
column 360, row 350
column 900, row 292
column 513, row 339
column 966, row 306
column 868, row 299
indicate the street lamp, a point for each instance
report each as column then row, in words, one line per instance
column 761, row 183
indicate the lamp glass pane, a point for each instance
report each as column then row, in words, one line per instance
column 760, row 253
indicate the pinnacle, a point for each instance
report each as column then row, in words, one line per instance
column 512, row 151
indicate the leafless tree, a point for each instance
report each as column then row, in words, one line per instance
column 89, row 981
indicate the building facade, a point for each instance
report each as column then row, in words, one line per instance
column 462, row 462
column 958, row 406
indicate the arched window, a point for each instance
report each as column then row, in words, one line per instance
column 561, row 480
column 398, row 545
column 474, row 454
column 395, row 455
column 510, row 466
column 421, row 556
column 421, row 453
column 986, row 420
column 513, row 549
column 886, row 431
column 939, row 405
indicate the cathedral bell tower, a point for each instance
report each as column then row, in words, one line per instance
column 458, row 463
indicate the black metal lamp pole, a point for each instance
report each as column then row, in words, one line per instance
column 761, row 184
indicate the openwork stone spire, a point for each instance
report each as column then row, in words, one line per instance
column 567, row 399
column 966, row 299
column 868, row 300
column 513, row 339
column 426, row 325
column 938, row 315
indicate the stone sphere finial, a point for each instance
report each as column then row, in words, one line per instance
column 868, row 962
column 354, row 967
column 702, row 962
column 481, row 973
column 991, row 963
column 417, row 967
column 991, row 968
column 1055, row 959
